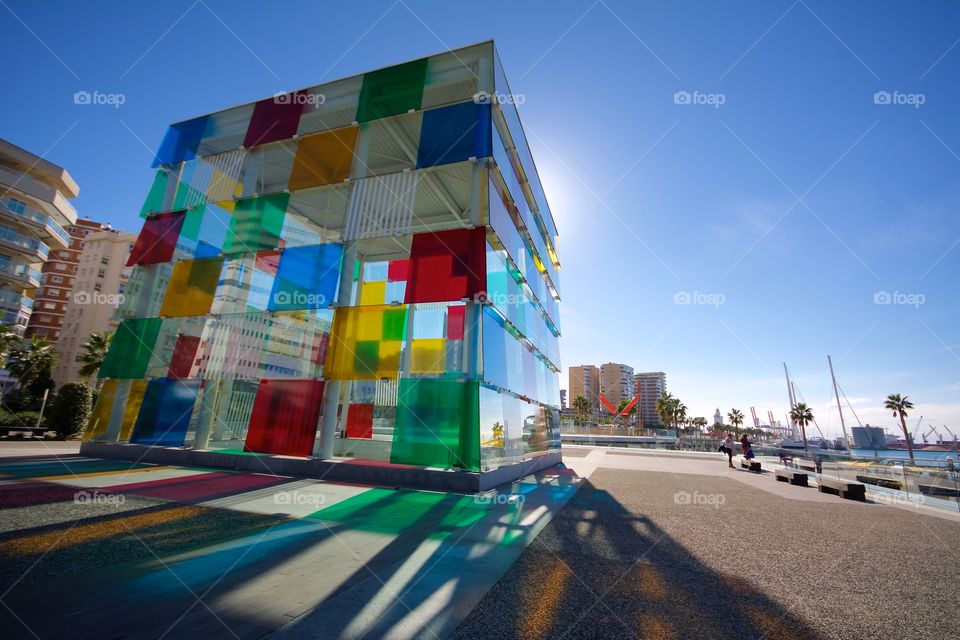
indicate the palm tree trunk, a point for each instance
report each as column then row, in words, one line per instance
column 906, row 434
column 803, row 432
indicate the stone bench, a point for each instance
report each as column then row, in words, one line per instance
column 847, row 489
column 887, row 483
column 752, row 465
column 798, row 478
column 936, row 490
column 806, row 465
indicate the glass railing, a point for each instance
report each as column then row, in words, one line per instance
column 17, row 238
column 21, row 271
column 10, row 299
column 16, row 208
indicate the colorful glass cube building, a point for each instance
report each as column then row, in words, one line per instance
column 365, row 270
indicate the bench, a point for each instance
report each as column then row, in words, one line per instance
column 806, row 465
column 847, row 489
column 888, row 483
column 798, row 478
column 752, row 465
column 936, row 490
column 6, row 430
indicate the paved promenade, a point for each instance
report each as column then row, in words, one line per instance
column 621, row 544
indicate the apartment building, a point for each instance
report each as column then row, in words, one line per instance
column 585, row 381
column 97, row 289
column 616, row 382
column 34, row 209
column 59, row 273
column 650, row 385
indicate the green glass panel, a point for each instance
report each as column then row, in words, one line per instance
column 367, row 356
column 158, row 189
column 391, row 91
column 131, row 348
column 437, row 424
column 257, row 224
column 394, row 324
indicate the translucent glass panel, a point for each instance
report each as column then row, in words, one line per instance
column 360, row 420
column 383, row 282
column 231, row 412
column 454, row 133
column 330, row 106
column 266, row 169
column 165, row 412
column 100, row 416
column 366, row 343
column 509, row 364
column 174, row 336
column 512, row 428
column 388, row 145
column 246, row 283
column 370, row 411
column 275, row 118
column 158, row 238
column 204, row 230
column 437, row 343
column 447, row 265
column 459, row 75
column 184, row 356
column 181, row 142
column 392, row 90
column 225, row 130
column 131, row 348
column 324, row 209
column 323, row 158
column 284, row 418
column 131, row 408
column 307, row 278
column 155, row 197
column 437, row 424
column 214, row 178
column 256, row 224
column 191, row 288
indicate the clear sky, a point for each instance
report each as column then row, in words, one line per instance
column 781, row 199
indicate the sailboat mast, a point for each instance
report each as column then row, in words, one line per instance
column 836, row 393
column 791, row 400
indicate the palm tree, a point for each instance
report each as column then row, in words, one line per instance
column 898, row 405
column 802, row 415
column 736, row 419
column 8, row 340
column 666, row 405
column 497, row 429
column 94, row 350
column 33, row 360
column 582, row 406
column 679, row 412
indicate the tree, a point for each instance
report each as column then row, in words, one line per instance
column 582, row 406
column 735, row 416
column 679, row 413
column 29, row 361
column 666, row 406
column 70, row 409
column 498, row 433
column 802, row 415
column 899, row 405
column 8, row 340
column 94, row 350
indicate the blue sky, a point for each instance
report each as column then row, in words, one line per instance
column 780, row 213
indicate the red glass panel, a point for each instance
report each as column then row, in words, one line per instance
column 360, row 421
column 284, row 417
column 447, row 265
column 267, row 261
column 157, row 239
column 398, row 270
column 455, row 321
column 274, row 119
column 184, row 354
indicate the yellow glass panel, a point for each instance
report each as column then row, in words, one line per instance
column 134, row 400
column 389, row 359
column 100, row 418
column 323, row 158
column 191, row 288
column 373, row 293
column 368, row 323
column 428, row 355
column 373, row 357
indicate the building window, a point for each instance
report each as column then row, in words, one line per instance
column 101, row 273
column 105, row 260
column 49, row 305
column 56, row 279
column 60, row 266
column 97, row 287
column 54, row 293
column 73, row 268
column 64, row 254
column 17, row 206
column 40, row 333
column 44, row 318
column 71, row 229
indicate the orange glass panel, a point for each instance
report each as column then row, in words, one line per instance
column 323, row 158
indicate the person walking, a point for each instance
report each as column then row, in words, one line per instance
column 747, row 449
column 727, row 448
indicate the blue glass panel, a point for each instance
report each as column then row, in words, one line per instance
column 454, row 133
column 307, row 278
column 165, row 412
column 428, row 322
column 181, row 142
column 375, row 271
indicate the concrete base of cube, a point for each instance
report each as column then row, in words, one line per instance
column 358, row 471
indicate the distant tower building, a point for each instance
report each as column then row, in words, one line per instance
column 585, row 381
column 563, row 399
column 650, row 385
column 717, row 417
column 616, row 382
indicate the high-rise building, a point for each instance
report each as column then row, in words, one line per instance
column 34, row 209
column 364, row 269
column 98, row 288
column 616, row 382
column 59, row 275
column 563, row 399
column 650, row 385
column 584, row 380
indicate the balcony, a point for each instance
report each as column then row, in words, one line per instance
column 21, row 274
column 45, row 225
column 10, row 238
column 15, row 308
column 53, row 202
